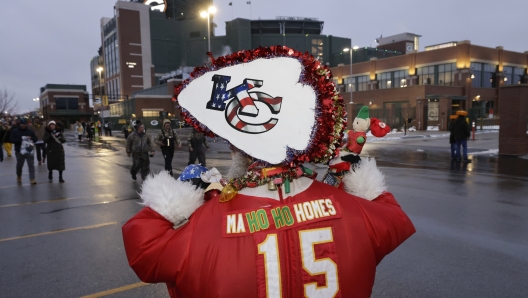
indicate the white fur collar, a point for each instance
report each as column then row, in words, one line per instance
column 366, row 180
column 173, row 199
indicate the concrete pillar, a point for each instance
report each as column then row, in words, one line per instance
column 513, row 136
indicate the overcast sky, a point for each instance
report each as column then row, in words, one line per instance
column 53, row 41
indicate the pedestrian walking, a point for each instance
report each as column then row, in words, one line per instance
column 110, row 127
column 90, row 131
column 105, row 127
column 461, row 134
column 6, row 139
column 139, row 146
column 40, row 147
column 167, row 139
column 84, row 128
column 2, row 133
column 126, row 129
column 54, row 139
column 452, row 141
column 196, row 142
column 24, row 140
column 79, row 130
column 99, row 128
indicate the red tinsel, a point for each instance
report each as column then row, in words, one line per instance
column 330, row 109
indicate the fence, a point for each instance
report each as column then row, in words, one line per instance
column 395, row 115
column 484, row 118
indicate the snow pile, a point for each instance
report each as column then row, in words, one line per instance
column 432, row 128
column 487, row 152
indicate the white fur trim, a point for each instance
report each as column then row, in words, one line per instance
column 173, row 199
column 211, row 176
column 366, row 181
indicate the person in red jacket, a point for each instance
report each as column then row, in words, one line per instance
column 270, row 231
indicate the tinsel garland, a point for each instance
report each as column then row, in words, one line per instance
column 330, row 109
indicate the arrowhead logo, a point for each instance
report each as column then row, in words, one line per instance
column 239, row 100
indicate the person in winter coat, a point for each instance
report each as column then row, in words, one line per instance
column 79, row 130
column 2, row 134
column 24, row 140
column 6, row 138
column 452, row 141
column 127, row 129
column 54, row 139
column 110, row 127
column 269, row 230
column 166, row 139
column 196, row 142
column 461, row 134
column 90, row 131
column 38, row 128
column 139, row 146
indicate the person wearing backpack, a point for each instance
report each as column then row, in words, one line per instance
column 24, row 140
column 166, row 139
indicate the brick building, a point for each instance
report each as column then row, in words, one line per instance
column 513, row 135
column 429, row 86
column 65, row 103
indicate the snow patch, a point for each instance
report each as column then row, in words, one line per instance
column 487, row 152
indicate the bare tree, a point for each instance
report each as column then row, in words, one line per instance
column 8, row 102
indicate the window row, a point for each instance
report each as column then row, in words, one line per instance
column 66, row 103
column 483, row 75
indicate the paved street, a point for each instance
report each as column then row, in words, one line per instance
column 64, row 240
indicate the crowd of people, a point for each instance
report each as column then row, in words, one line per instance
column 33, row 136
column 139, row 146
column 45, row 140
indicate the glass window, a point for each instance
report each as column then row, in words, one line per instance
column 362, row 83
column 73, row 103
column 151, row 113
column 400, row 78
column 512, row 75
column 60, row 103
column 426, row 75
column 483, row 74
column 446, row 74
column 317, row 48
column 350, row 84
column 385, row 80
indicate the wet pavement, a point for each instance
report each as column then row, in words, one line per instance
column 64, row 240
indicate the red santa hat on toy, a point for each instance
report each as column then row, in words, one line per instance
column 377, row 128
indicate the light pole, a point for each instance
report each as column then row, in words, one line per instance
column 36, row 100
column 206, row 14
column 351, row 89
column 99, row 70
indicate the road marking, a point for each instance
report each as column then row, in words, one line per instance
column 117, row 290
column 59, row 231
column 40, row 202
column 59, row 200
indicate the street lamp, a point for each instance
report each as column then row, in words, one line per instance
column 36, row 100
column 99, row 70
column 206, row 14
column 350, row 50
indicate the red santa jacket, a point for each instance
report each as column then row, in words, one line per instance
column 317, row 242
column 353, row 145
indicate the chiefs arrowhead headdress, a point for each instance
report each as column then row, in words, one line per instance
column 274, row 104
